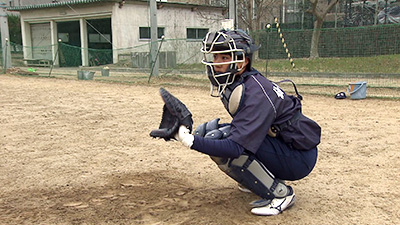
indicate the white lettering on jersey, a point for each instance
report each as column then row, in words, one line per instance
column 278, row 91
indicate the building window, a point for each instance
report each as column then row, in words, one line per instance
column 144, row 33
column 196, row 33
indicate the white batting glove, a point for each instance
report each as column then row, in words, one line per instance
column 184, row 136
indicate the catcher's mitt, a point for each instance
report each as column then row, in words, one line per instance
column 174, row 114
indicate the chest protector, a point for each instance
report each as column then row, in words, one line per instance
column 232, row 97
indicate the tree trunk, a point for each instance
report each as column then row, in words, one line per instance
column 320, row 16
column 315, row 38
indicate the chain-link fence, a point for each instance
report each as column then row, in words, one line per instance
column 341, row 42
column 181, row 57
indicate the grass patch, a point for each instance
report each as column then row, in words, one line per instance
column 383, row 64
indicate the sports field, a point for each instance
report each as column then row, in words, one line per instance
column 79, row 152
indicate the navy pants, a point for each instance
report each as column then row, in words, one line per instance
column 284, row 162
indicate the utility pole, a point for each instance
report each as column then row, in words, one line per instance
column 232, row 12
column 154, row 38
column 5, row 37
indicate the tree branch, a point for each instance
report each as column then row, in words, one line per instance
column 330, row 6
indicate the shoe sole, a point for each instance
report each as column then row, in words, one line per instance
column 291, row 203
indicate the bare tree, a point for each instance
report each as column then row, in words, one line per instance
column 319, row 10
column 252, row 12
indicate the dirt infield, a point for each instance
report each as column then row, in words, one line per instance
column 79, row 152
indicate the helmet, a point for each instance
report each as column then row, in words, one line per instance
column 238, row 45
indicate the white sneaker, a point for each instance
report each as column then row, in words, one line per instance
column 243, row 189
column 276, row 206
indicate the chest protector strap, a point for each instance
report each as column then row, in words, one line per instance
column 232, row 97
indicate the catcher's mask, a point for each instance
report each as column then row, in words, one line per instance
column 238, row 45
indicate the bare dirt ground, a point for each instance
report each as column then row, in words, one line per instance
column 79, row 152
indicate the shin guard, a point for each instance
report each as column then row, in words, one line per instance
column 252, row 174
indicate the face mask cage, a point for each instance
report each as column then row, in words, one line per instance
column 221, row 43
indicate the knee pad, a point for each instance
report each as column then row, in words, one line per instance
column 213, row 130
column 252, row 174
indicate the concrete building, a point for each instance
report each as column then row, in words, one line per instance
column 117, row 25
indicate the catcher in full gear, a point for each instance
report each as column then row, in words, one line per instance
column 269, row 140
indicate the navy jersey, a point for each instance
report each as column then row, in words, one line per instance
column 263, row 105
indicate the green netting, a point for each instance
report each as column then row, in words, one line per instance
column 340, row 42
column 345, row 48
column 69, row 56
column 100, row 57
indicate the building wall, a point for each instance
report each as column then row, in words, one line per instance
column 126, row 20
column 174, row 19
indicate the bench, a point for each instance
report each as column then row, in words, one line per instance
column 39, row 62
